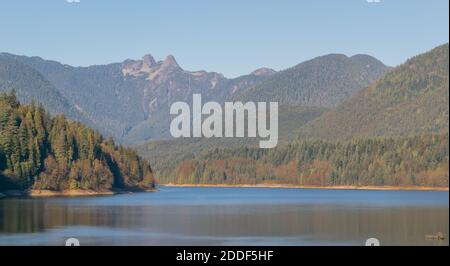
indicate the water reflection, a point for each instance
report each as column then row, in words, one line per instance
column 146, row 219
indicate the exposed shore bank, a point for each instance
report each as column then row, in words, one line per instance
column 67, row 193
column 418, row 188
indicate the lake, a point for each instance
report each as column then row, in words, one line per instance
column 229, row 216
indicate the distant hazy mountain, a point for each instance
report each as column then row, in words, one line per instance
column 323, row 81
column 411, row 99
column 102, row 93
column 131, row 100
column 166, row 82
column 30, row 85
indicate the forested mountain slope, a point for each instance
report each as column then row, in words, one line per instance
column 411, row 99
column 323, row 81
column 30, row 85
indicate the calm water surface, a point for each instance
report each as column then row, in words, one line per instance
column 229, row 216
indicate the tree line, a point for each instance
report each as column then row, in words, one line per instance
column 389, row 161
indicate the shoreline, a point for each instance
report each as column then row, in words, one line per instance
column 67, row 193
column 386, row 188
column 92, row 193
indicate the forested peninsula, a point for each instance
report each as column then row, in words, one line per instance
column 42, row 154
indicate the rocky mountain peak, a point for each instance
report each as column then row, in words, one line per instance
column 149, row 67
column 148, row 60
column 170, row 62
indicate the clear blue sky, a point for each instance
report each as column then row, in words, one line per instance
column 233, row 37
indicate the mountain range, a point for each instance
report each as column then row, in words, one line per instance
column 392, row 133
column 130, row 100
column 332, row 98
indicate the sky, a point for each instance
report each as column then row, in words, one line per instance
column 233, row 37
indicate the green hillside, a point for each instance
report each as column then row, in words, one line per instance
column 411, row 99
